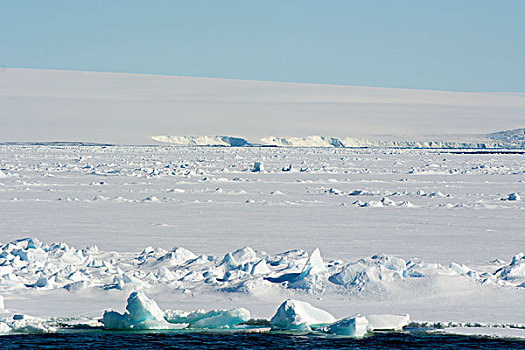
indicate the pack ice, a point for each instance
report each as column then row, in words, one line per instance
column 420, row 238
column 29, row 264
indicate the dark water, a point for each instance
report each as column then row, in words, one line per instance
column 110, row 340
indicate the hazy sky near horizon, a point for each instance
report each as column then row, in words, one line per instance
column 460, row 45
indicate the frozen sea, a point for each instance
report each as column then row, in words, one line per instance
column 449, row 206
column 437, row 234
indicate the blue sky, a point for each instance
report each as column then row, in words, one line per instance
column 457, row 45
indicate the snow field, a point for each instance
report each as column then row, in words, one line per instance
column 433, row 234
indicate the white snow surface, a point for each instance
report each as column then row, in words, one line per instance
column 47, row 105
column 210, row 237
column 107, row 219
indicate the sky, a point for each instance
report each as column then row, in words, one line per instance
column 458, row 45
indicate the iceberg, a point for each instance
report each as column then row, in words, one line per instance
column 359, row 325
column 141, row 308
column 143, row 313
column 355, row 326
column 299, row 316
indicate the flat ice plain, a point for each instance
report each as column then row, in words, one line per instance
column 437, row 234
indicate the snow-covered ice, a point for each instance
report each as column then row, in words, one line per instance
column 50, row 271
column 493, row 332
column 433, row 235
column 440, row 247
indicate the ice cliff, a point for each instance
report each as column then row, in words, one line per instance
column 509, row 139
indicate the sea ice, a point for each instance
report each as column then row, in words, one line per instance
column 388, row 322
column 25, row 324
column 299, row 316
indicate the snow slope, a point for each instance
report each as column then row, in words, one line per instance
column 46, row 105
